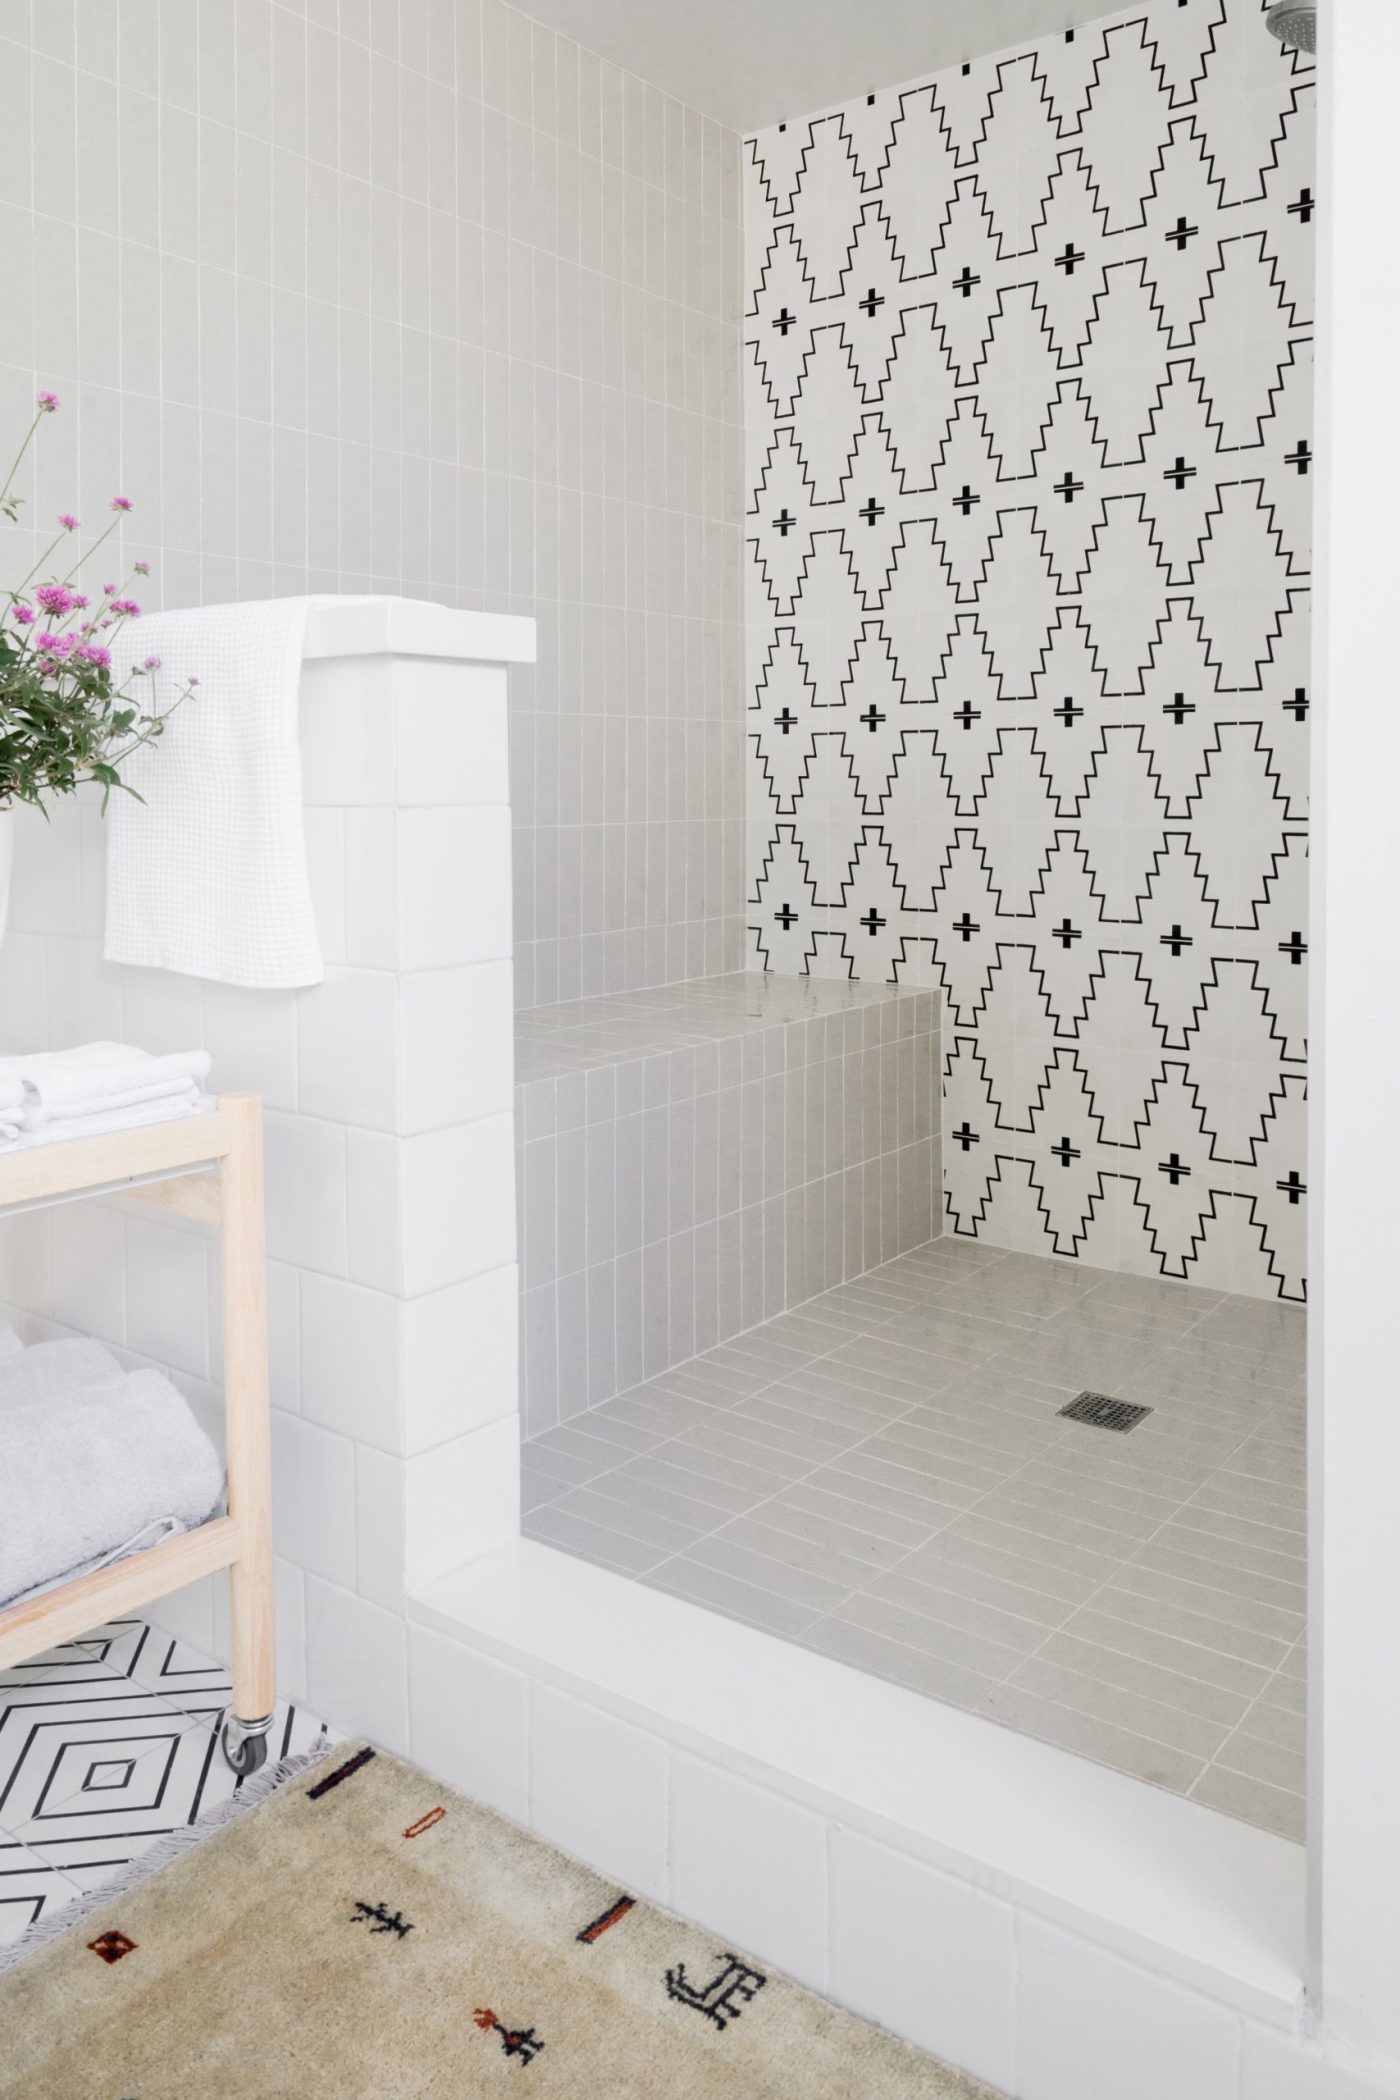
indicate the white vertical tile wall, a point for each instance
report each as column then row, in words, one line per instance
column 668, row 1198
column 390, row 1172
column 419, row 298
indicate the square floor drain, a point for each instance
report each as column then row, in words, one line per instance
column 1101, row 1411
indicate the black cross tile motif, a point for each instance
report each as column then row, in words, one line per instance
column 784, row 522
column 1111, row 661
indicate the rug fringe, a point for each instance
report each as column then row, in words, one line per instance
column 166, row 1850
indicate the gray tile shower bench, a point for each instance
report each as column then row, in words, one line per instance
column 693, row 1159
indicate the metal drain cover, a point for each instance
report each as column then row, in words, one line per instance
column 1101, row 1411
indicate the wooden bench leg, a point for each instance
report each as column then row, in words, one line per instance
column 248, row 1441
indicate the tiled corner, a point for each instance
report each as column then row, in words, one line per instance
column 107, row 1744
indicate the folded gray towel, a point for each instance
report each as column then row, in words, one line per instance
column 82, row 1473
column 148, row 1535
column 50, row 1370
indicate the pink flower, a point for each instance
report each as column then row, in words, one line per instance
column 56, row 644
column 143, row 568
column 23, row 614
column 68, row 521
column 128, row 606
column 57, row 599
column 91, row 653
column 48, row 402
column 80, row 602
column 152, row 663
column 108, row 589
column 120, row 503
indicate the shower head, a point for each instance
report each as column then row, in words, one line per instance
column 1294, row 22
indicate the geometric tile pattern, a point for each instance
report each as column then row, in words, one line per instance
column 885, row 1475
column 1028, row 357
column 107, row 1744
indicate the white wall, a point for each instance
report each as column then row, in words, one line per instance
column 414, row 296
column 390, row 1170
column 1355, row 1428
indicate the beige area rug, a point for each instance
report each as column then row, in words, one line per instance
column 366, row 1934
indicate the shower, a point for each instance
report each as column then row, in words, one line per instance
column 1294, row 22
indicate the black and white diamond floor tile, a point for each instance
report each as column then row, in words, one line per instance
column 106, row 1745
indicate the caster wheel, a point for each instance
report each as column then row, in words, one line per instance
column 246, row 1754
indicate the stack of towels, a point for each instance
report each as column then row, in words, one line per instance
column 97, row 1087
column 95, row 1463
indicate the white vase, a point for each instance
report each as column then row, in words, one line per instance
column 7, row 855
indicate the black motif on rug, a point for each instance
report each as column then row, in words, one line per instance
column 521, row 2042
column 724, row 1997
column 345, row 1771
column 384, row 1920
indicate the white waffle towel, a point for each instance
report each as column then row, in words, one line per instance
column 207, row 876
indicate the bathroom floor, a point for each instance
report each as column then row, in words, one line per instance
column 884, row 1475
column 107, row 1744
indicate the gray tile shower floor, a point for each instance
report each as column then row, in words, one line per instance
column 883, row 1475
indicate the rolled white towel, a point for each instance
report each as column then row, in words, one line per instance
column 92, row 1076
column 168, row 1097
column 83, row 1474
column 11, row 1088
column 53, row 1370
column 98, row 1124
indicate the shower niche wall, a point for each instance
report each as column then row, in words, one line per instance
column 1029, row 440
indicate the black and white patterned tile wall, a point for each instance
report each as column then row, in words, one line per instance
column 1028, row 358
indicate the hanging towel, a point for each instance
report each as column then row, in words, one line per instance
column 208, row 875
column 83, row 1474
column 54, row 1371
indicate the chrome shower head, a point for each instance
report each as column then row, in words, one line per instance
column 1294, row 22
